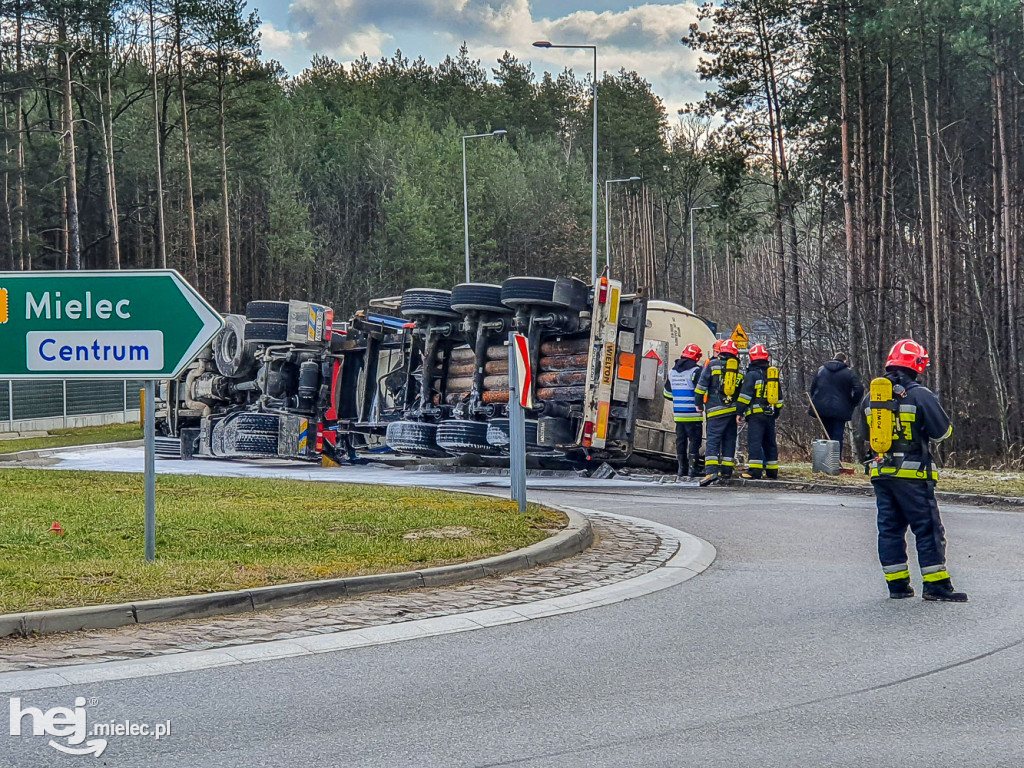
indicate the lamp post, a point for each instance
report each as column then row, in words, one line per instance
column 693, row 278
column 608, row 218
column 593, row 217
column 465, row 189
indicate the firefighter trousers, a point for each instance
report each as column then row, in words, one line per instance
column 762, row 446
column 720, row 451
column 689, row 435
column 910, row 504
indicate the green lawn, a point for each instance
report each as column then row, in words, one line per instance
column 231, row 533
column 952, row 480
column 59, row 438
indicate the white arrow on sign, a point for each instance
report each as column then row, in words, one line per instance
column 94, row 747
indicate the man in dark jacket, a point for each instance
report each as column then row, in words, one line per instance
column 835, row 391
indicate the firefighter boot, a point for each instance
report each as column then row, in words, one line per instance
column 684, row 468
column 942, row 591
column 710, row 478
column 752, row 473
column 900, row 589
column 694, row 467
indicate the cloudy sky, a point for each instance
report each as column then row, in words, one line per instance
column 640, row 37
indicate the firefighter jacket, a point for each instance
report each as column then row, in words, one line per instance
column 679, row 388
column 919, row 418
column 751, row 399
column 709, row 387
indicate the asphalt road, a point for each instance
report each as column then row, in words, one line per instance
column 785, row 652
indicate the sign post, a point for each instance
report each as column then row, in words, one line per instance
column 519, row 394
column 118, row 324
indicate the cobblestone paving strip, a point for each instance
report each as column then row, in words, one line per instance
column 622, row 550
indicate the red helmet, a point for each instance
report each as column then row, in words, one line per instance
column 692, row 351
column 759, row 352
column 729, row 347
column 717, row 346
column 907, row 353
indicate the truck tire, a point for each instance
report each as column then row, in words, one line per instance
column 499, row 436
column 266, row 333
column 413, row 437
column 529, row 291
column 267, row 311
column 427, row 302
column 483, row 297
column 234, row 357
column 256, row 443
column 462, row 436
column 264, row 423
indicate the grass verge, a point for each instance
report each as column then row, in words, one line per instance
column 988, row 483
column 60, row 438
column 218, row 534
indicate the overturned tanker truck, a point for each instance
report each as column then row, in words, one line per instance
column 426, row 374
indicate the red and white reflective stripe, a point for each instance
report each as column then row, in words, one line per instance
column 524, row 370
column 328, row 324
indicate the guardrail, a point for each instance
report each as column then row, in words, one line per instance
column 58, row 403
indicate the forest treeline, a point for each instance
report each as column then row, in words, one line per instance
column 864, row 157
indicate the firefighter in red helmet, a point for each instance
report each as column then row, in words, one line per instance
column 760, row 401
column 902, row 417
column 679, row 388
column 716, row 392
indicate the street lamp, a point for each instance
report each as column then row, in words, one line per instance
column 608, row 219
column 593, row 217
column 465, row 189
column 693, row 278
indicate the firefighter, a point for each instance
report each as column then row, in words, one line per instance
column 719, row 384
column 902, row 417
column 679, row 388
column 760, row 401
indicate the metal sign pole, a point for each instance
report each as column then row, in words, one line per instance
column 517, row 430
column 150, row 470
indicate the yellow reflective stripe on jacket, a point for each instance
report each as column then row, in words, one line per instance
column 904, row 474
column 721, row 411
column 694, row 418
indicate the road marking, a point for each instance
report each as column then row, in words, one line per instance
column 693, row 556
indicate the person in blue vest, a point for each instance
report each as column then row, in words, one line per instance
column 679, row 388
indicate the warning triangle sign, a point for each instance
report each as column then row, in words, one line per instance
column 740, row 337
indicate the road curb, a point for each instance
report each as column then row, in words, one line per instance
column 692, row 557
column 43, row 453
column 576, row 537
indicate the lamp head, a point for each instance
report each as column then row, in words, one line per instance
column 499, row 132
column 542, row 44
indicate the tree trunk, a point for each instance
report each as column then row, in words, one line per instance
column 74, row 244
column 225, row 198
column 161, row 238
column 193, row 253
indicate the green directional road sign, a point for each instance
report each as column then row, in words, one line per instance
column 137, row 324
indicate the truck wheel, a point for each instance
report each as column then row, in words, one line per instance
column 266, row 333
column 467, row 297
column 430, row 302
column 257, row 443
column 413, row 437
column 529, row 291
column 258, row 422
column 463, row 436
column 234, row 357
column 271, row 311
column 499, row 436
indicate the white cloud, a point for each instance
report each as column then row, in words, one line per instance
column 644, row 38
